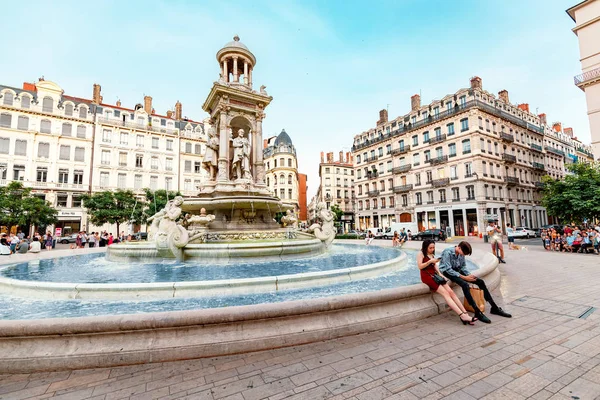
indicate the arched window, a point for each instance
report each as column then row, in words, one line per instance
column 23, row 123
column 281, row 179
column 69, row 110
column 268, row 181
column 25, row 101
column 66, row 129
column 8, row 98
column 45, row 126
column 290, row 162
column 289, row 179
column 83, row 112
column 48, row 104
column 274, row 180
column 5, row 120
column 81, row 131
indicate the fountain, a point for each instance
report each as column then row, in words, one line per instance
column 218, row 274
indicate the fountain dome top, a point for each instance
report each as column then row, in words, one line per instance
column 235, row 46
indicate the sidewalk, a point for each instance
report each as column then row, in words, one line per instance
column 550, row 349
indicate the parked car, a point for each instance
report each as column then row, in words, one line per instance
column 68, row 239
column 538, row 232
column 377, row 232
column 434, row 234
column 140, row 236
column 522, row 231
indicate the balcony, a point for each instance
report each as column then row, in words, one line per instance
column 554, row 151
column 539, row 185
column 509, row 158
column 539, row 166
column 507, row 137
column 400, row 150
column 401, row 169
column 371, row 159
column 437, row 139
column 587, row 78
column 535, row 147
column 440, row 182
column 373, row 193
column 438, row 160
column 403, row 188
column 511, row 180
column 372, row 175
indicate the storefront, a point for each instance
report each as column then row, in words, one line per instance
column 69, row 222
column 457, row 220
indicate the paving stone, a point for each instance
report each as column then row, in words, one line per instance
column 581, row 388
column 348, row 383
column 479, row 389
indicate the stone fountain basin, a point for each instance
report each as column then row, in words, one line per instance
column 194, row 204
column 169, row 290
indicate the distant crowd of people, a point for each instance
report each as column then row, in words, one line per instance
column 573, row 240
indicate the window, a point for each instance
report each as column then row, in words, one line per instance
column 436, row 111
column 83, row 111
column 290, row 194
column 413, row 119
column 78, row 177
column 168, row 183
column 25, row 101
column 197, row 149
column 105, row 160
column 187, row 185
column 496, row 148
column 357, row 159
column 139, row 141
column 427, row 154
column 417, row 179
column 415, row 140
column 439, row 152
column 20, row 147
column 170, row 145
column 23, row 123
column 466, row 146
column 66, row 129
column 154, row 163
column 124, row 138
column 8, row 98
column 5, row 120
column 47, row 104
column 61, row 200
column 155, row 144
column 416, row 159
column 5, row 145
column 41, row 174
column 153, row 182
column 121, row 181
column 43, row 150
column 63, row 175
column 103, row 179
column 282, row 194
column 453, row 172
column 139, row 160
column 281, row 179
column 123, row 159
column 480, row 122
column 401, row 144
column 470, row 192
column 169, row 164
column 438, row 132
column 18, row 172
column 81, row 131
column 197, row 167
column 442, row 195
column 187, row 166
column 452, row 150
column 426, row 137
column 106, row 135
column 76, row 201
column 484, row 168
column 449, row 106
column 389, row 166
column 455, row 194
column 188, row 146
column 281, row 162
column 464, row 124
column 463, row 101
column 69, row 110
column 419, row 199
column 429, row 177
column 64, row 152
column 290, row 162
column 79, row 154
column 382, row 202
column 405, row 200
column 468, row 170
column 290, row 179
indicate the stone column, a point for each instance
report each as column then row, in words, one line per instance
column 250, row 76
column 464, row 218
column 235, row 69
column 438, row 224
column 223, row 172
column 451, row 222
column 225, row 71
column 259, row 167
column 245, row 72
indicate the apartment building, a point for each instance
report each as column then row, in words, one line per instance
column 63, row 146
column 337, row 186
column 453, row 163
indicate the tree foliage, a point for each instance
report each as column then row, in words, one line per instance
column 156, row 200
column 19, row 207
column 113, row 208
column 575, row 198
column 337, row 212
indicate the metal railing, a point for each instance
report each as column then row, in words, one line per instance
column 539, row 166
column 539, row 185
column 536, row 147
column 511, row 180
column 438, row 160
column 400, row 150
column 401, row 169
column 507, row 137
column 440, row 182
column 586, row 77
column 509, row 158
column 437, row 139
column 372, row 175
column 555, row 151
column 403, row 188
column 373, row 192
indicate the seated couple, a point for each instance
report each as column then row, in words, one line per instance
column 452, row 266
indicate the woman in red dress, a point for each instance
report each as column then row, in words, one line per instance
column 427, row 264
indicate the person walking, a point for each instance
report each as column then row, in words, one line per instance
column 494, row 235
column 49, row 241
column 510, row 233
column 84, row 239
column 431, row 276
column 454, row 267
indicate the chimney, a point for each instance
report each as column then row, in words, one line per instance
column 341, row 156
column 503, row 95
column 169, row 114
column 178, row 110
column 348, row 158
column 148, row 104
column 543, row 119
column 118, row 103
column 568, row 132
column 524, row 107
column 29, row 86
column 557, row 127
column 330, row 157
column 476, row 83
column 96, row 98
column 415, row 102
column 383, row 117
column 322, row 157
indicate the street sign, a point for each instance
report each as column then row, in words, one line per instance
column 487, row 217
column 57, row 232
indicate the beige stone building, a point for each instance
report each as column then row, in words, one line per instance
column 337, row 186
column 586, row 16
column 454, row 163
column 281, row 165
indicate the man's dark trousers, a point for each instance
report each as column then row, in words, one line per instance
column 465, row 287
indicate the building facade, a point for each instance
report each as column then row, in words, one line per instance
column 454, row 163
column 63, row 146
column 337, row 186
column 586, row 16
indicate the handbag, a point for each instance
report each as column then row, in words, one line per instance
column 438, row 279
column 477, row 295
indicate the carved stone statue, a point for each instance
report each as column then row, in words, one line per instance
column 211, row 158
column 289, row 219
column 325, row 231
column 262, row 90
column 240, row 164
column 167, row 233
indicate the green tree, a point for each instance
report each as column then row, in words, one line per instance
column 156, row 200
column 117, row 208
column 576, row 197
column 337, row 212
column 18, row 207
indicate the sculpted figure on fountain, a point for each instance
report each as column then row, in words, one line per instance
column 240, row 164
column 211, row 158
column 325, row 231
column 290, row 220
column 169, row 234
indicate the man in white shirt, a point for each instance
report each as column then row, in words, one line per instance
column 494, row 235
column 510, row 232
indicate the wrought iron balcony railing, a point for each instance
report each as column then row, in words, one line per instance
column 440, row 182
column 587, row 77
column 403, row 188
column 539, row 185
column 507, row 137
column 437, row 139
column 372, row 175
column 400, row 150
column 373, row 192
column 438, row 160
column 511, row 180
column 539, row 166
column 536, row 147
column 401, row 169
column 509, row 158
column 555, row 151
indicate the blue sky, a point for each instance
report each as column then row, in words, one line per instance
column 330, row 65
